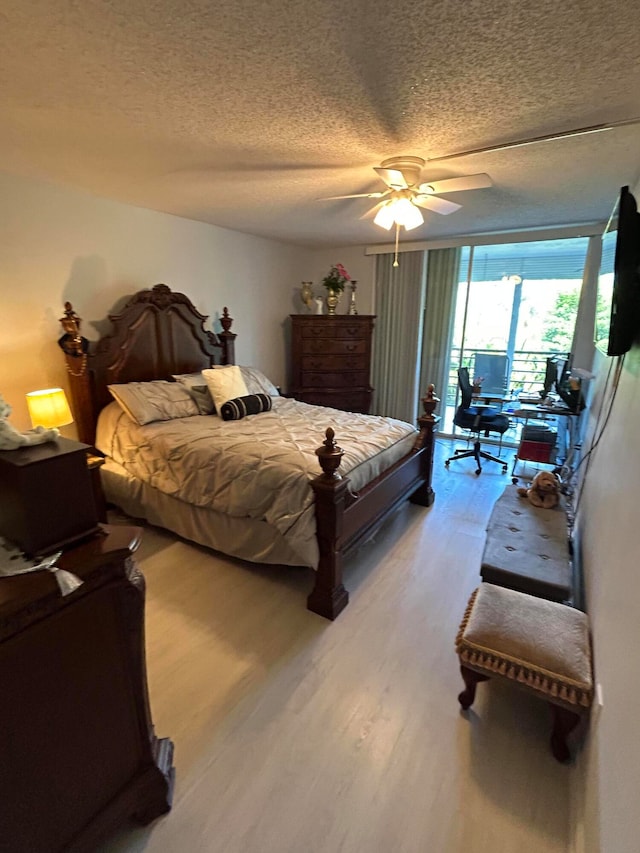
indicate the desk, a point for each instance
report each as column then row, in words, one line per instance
column 542, row 412
column 495, row 397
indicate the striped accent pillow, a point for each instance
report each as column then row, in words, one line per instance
column 252, row 404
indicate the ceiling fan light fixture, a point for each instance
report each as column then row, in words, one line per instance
column 399, row 211
column 385, row 216
column 407, row 214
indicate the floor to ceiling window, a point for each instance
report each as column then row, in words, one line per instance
column 516, row 305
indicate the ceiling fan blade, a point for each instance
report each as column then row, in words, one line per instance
column 453, row 185
column 371, row 213
column 392, row 177
column 437, row 205
column 356, row 195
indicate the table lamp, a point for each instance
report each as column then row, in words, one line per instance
column 49, row 408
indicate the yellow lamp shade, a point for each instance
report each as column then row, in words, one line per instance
column 49, row 408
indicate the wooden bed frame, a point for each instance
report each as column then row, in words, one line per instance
column 160, row 332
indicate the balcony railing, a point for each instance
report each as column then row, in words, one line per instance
column 526, row 373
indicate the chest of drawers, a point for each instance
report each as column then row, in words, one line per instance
column 331, row 360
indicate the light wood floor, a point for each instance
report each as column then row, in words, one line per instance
column 296, row 734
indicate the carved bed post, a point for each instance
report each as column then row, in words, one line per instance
column 76, row 349
column 425, row 495
column 227, row 338
column 329, row 597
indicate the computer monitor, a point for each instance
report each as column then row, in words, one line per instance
column 550, row 375
column 569, row 390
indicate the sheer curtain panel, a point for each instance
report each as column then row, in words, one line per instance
column 443, row 266
column 397, row 339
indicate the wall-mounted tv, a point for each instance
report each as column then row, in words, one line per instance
column 618, row 307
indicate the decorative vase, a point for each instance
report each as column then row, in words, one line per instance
column 333, row 297
column 352, row 300
column 306, row 293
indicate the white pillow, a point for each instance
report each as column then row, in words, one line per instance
column 255, row 380
column 225, row 383
column 159, row 400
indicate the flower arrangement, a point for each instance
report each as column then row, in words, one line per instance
column 477, row 381
column 337, row 278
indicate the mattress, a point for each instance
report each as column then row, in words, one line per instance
column 242, row 486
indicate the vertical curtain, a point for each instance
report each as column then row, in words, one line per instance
column 443, row 267
column 583, row 347
column 399, row 308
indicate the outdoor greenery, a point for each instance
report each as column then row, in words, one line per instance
column 560, row 322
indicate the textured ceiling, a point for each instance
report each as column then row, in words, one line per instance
column 243, row 114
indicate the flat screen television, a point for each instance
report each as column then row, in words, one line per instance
column 618, row 307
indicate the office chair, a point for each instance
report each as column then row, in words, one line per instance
column 477, row 419
column 494, row 367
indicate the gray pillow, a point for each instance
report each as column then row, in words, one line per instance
column 202, row 398
column 158, row 400
column 189, row 378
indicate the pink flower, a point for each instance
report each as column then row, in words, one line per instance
column 336, row 278
column 343, row 272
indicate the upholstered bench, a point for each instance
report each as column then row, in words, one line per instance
column 527, row 548
column 536, row 644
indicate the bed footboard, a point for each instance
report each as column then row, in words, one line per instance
column 344, row 519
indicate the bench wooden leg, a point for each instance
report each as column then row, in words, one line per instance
column 471, row 679
column 564, row 722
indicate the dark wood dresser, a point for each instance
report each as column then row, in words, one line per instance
column 331, row 360
column 79, row 754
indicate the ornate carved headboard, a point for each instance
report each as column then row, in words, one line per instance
column 157, row 333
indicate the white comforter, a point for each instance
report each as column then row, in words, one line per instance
column 258, row 467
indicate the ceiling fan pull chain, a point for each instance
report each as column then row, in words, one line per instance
column 395, row 260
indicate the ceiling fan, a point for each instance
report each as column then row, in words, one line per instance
column 405, row 193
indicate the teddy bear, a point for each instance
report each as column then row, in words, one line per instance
column 11, row 438
column 544, row 490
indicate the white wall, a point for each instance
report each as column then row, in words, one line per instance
column 607, row 776
column 58, row 244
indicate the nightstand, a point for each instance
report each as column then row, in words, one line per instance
column 46, row 496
